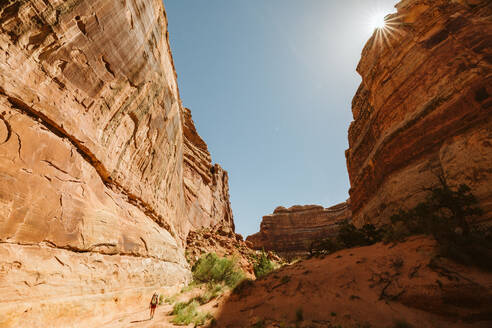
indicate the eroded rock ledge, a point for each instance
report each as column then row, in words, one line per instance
column 290, row 232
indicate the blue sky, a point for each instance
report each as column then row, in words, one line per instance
column 270, row 84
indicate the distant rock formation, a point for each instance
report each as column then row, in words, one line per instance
column 423, row 108
column 102, row 174
column 290, row 232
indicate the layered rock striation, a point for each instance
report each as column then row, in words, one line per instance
column 423, row 108
column 290, row 232
column 206, row 186
column 96, row 159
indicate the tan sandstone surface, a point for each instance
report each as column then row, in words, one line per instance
column 290, row 232
column 98, row 170
column 423, row 108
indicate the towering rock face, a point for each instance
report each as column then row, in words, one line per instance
column 93, row 214
column 423, row 108
column 290, row 232
column 206, row 186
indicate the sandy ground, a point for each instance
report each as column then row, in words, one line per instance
column 375, row 286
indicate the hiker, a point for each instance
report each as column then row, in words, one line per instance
column 153, row 304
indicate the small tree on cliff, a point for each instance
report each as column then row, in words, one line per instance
column 449, row 215
column 445, row 211
column 263, row 265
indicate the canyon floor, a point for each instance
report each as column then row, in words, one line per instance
column 383, row 285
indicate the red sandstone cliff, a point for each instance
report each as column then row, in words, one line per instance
column 423, row 108
column 98, row 162
column 290, row 232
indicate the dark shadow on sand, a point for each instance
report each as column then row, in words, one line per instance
column 137, row 321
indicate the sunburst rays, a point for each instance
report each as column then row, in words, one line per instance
column 386, row 30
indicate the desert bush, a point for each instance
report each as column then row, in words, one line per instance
column 348, row 236
column 211, row 268
column 324, row 246
column 263, row 266
column 444, row 211
column 212, row 292
column 187, row 313
column 448, row 215
column 170, row 300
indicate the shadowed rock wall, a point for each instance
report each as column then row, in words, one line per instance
column 423, row 108
column 93, row 213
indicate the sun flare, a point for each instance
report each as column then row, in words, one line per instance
column 385, row 26
column 378, row 21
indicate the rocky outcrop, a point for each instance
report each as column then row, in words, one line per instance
column 206, row 186
column 223, row 242
column 423, row 108
column 93, row 209
column 290, row 232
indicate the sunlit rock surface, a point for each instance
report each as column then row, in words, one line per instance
column 290, row 232
column 206, row 186
column 423, row 108
column 98, row 182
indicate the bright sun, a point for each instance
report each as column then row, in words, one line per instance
column 378, row 21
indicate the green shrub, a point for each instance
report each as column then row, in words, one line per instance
column 324, row 246
column 263, row 266
column 170, row 300
column 213, row 291
column 445, row 211
column 348, row 236
column 186, row 313
column 448, row 215
column 211, row 268
column 161, row 299
column 178, row 307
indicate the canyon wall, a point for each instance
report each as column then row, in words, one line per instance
column 423, row 108
column 98, row 168
column 206, row 186
column 290, row 232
